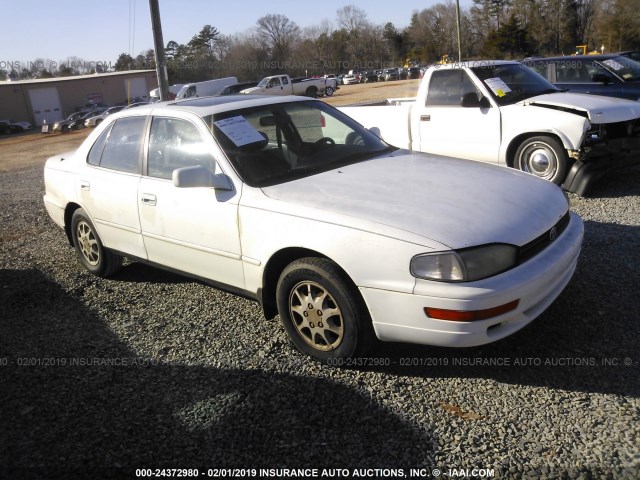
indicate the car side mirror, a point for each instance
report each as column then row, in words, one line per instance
column 471, row 100
column 198, row 176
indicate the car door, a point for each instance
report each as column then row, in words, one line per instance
column 276, row 87
column 445, row 127
column 194, row 230
column 108, row 185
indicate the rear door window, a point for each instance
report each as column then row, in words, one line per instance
column 123, row 145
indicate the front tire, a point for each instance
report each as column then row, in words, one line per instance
column 329, row 91
column 89, row 249
column 322, row 312
column 543, row 157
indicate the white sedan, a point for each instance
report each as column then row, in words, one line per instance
column 97, row 119
column 291, row 203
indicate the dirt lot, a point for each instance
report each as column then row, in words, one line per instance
column 24, row 151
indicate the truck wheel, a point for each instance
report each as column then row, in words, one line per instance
column 329, row 91
column 312, row 92
column 322, row 312
column 543, row 157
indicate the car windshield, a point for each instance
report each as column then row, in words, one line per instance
column 624, row 67
column 276, row 143
column 512, row 82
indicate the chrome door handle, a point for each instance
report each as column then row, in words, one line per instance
column 149, row 199
column 425, row 118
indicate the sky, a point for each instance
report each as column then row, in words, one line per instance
column 100, row 30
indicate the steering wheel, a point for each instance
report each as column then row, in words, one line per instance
column 327, row 140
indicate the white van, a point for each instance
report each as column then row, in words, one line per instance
column 207, row 88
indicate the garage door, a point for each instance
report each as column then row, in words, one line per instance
column 46, row 105
column 136, row 89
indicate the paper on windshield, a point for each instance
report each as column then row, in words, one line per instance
column 239, row 131
column 613, row 64
column 497, row 86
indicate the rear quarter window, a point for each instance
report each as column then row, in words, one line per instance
column 119, row 147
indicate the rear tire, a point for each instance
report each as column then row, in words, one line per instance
column 322, row 312
column 312, row 92
column 91, row 253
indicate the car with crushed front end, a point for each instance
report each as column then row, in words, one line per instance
column 290, row 202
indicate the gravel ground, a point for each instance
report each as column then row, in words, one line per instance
column 148, row 369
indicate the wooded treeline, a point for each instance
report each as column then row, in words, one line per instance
column 489, row 28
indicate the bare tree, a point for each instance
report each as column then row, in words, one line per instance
column 352, row 18
column 353, row 21
column 279, row 33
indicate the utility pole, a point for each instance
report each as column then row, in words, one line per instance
column 158, row 46
column 458, row 29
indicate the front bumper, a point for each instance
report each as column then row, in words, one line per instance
column 620, row 148
column 400, row 317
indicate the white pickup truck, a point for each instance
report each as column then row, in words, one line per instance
column 502, row 112
column 285, row 85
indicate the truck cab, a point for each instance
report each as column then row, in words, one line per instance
column 278, row 85
column 453, row 97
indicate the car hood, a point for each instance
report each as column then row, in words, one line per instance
column 458, row 203
column 249, row 91
column 597, row 108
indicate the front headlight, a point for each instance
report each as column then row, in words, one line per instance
column 466, row 265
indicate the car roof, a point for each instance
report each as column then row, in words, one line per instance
column 204, row 106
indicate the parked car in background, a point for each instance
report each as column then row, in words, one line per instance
column 612, row 75
column 358, row 75
column 289, row 202
column 63, row 125
column 413, row 73
column 370, row 76
column 79, row 122
column 237, row 88
column 8, row 126
column 95, row 120
column 391, row 74
column 350, row 79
